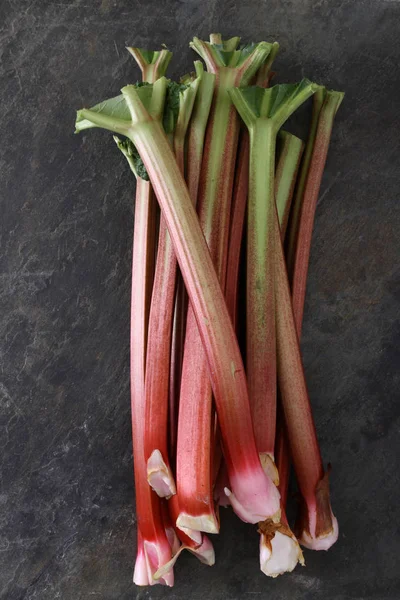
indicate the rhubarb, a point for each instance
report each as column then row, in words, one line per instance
column 279, row 549
column 293, row 226
column 153, row 547
column 231, row 67
column 194, row 152
column 303, row 219
column 197, row 128
column 127, row 115
column 290, row 149
column 316, row 527
column 178, row 107
column 263, row 111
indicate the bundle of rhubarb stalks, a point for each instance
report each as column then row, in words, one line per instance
column 224, row 212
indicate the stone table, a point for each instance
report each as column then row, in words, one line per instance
column 66, row 492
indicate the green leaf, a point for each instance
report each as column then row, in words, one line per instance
column 172, row 104
column 276, row 103
column 130, row 152
column 114, row 107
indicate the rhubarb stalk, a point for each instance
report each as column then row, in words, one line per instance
column 264, row 111
column 153, row 548
column 303, row 221
column 177, row 112
column 290, row 149
column 279, row 549
column 231, row 67
column 293, row 226
column 194, row 152
column 316, row 527
column 252, row 494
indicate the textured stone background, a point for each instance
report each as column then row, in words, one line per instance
column 66, row 519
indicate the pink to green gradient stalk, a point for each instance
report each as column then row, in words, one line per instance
column 194, row 455
column 317, row 527
column 157, row 383
column 239, row 199
column 194, row 145
column 279, row 549
column 264, row 112
column 301, row 253
column 294, row 221
column 153, row 548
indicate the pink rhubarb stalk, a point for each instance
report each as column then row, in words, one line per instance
column 157, row 383
column 194, row 144
column 317, row 527
column 312, row 186
column 263, row 111
column 279, row 549
column 153, row 549
column 194, row 455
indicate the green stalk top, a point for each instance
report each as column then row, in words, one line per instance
column 219, row 54
column 118, row 115
column 276, row 104
column 152, row 63
column 179, row 105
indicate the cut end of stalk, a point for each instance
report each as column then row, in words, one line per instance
column 173, row 539
column 207, row 523
column 279, row 549
column 269, row 467
column 159, row 476
column 253, row 506
column 151, row 558
column 316, row 526
column 323, row 541
column 204, row 552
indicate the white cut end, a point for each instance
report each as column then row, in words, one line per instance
column 159, row 475
column 173, row 539
column 205, row 553
column 150, row 559
column 140, row 576
column 269, row 467
column 207, row 523
column 254, row 516
column 283, row 557
column 322, row 542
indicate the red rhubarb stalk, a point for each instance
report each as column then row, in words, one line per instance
column 194, row 455
column 194, row 152
column 179, row 105
column 153, row 548
column 301, row 258
column 317, row 527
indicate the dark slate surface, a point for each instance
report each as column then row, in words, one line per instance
column 67, row 525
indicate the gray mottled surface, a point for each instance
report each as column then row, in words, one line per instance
column 66, row 517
